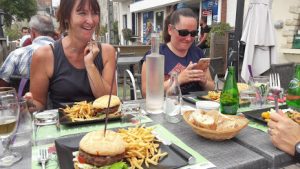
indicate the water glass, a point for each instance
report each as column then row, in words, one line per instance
column 249, row 95
column 46, row 125
column 131, row 113
column 24, row 130
column 261, row 85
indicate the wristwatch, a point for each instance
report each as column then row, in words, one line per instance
column 297, row 151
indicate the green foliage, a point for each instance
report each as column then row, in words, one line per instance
column 218, row 29
column 103, row 30
column 127, row 33
column 115, row 30
column 115, row 27
column 13, row 31
column 18, row 9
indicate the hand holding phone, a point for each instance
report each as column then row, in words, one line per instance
column 203, row 64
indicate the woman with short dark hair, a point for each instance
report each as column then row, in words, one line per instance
column 76, row 68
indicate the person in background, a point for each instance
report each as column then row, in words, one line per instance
column 18, row 61
column 205, row 29
column 27, row 42
column 181, row 54
column 285, row 134
column 25, row 35
column 149, row 30
column 75, row 68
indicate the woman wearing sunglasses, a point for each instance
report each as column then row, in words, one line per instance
column 181, row 54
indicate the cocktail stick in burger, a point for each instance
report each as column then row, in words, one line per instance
column 96, row 151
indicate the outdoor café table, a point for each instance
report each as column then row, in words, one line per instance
column 260, row 142
column 226, row 154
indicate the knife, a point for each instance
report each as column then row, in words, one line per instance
column 178, row 150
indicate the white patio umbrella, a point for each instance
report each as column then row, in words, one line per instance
column 259, row 36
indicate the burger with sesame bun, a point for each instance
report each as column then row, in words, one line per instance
column 100, row 104
column 99, row 152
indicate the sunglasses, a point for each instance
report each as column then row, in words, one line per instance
column 185, row 32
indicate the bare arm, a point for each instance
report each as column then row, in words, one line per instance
column 101, row 83
column 202, row 40
column 208, row 82
column 41, row 71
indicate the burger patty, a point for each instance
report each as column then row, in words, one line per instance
column 100, row 161
column 111, row 110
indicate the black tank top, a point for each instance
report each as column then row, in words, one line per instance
column 69, row 84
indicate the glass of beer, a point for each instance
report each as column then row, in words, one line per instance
column 9, row 115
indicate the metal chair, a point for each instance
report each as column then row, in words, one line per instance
column 285, row 71
column 132, row 84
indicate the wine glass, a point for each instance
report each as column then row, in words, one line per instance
column 9, row 115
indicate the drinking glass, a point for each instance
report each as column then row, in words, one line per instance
column 131, row 113
column 23, row 134
column 9, row 115
column 249, row 95
column 46, row 125
column 261, row 85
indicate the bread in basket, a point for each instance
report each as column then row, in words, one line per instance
column 214, row 126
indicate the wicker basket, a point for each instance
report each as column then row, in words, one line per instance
column 220, row 134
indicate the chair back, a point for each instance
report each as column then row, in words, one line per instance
column 285, row 71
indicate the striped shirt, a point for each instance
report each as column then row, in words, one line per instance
column 18, row 61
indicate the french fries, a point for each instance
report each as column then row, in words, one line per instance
column 213, row 95
column 80, row 111
column 141, row 147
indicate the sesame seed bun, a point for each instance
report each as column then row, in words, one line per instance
column 102, row 102
column 95, row 143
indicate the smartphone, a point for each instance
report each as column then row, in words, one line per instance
column 203, row 64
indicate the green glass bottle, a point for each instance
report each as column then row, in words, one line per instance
column 293, row 95
column 229, row 100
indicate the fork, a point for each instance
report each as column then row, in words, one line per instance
column 275, row 88
column 43, row 156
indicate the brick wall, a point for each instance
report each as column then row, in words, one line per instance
column 223, row 11
column 291, row 26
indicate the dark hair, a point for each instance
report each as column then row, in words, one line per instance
column 204, row 19
column 25, row 28
column 63, row 14
column 174, row 17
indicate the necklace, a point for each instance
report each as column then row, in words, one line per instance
column 74, row 49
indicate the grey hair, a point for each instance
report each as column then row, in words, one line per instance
column 42, row 24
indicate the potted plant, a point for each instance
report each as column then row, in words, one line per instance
column 218, row 42
column 218, row 30
column 127, row 34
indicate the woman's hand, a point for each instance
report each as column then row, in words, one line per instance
column 189, row 74
column 90, row 52
column 284, row 132
column 29, row 100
